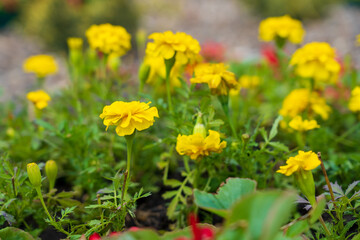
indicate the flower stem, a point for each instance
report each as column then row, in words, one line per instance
column 169, row 63
column 38, row 190
column 129, row 144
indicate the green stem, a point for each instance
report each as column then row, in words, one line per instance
column 43, row 203
column 169, row 63
column 129, row 144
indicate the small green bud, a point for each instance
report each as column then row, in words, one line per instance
column 10, row 132
column 199, row 126
column 51, row 170
column 34, row 174
column 245, row 137
column 305, row 182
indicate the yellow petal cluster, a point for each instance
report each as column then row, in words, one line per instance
column 41, row 65
column 301, row 125
column 128, row 116
column 303, row 100
column 303, row 161
column 166, row 44
column 281, row 27
column 75, row 43
column 220, row 80
column 158, row 70
column 196, row 146
column 316, row 60
column 39, row 98
column 354, row 104
column 109, row 38
column 247, row 81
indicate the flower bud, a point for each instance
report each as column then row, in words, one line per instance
column 34, row 174
column 51, row 170
column 113, row 62
column 144, row 72
column 199, row 126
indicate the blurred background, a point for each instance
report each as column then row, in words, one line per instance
column 29, row 27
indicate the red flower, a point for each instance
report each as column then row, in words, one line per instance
column 94, row 236
column 213, row 51
column 269, row 53
column 198, row 232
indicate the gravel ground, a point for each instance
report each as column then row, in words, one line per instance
column 225, row 21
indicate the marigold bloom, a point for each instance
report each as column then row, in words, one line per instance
column 316, row 60
column 220, row 80
column 128, row 116
column 303, row 161
column 247, row 81
column 108, row 39
column 281, row 27
column 301, row 125
column 354, row 104
column 166, row 44
column 41, row 65
column 39, row 98
column 75, row 43
column 196, row 146
column 301, row 100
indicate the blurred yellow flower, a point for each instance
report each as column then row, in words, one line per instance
column 39, row 98
column 302, row 100
column 108, row 39
column 220, row 80
column 358, row 40
column 247, row 81
column 354, row 104
column 281, row 27
column 41, row 65
column 157, row 72
column 197, row 146
column 316, row 60
column 303, row 161
column 128, row 116
column 75, row 43
column 166, row 44
column 301, row 125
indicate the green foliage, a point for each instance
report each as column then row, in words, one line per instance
column 11, row 233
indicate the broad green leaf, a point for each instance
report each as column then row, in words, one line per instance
column 297, row 229
column 11, row 233
column 279, row 146
column 265, row 213
column 233, row 190
column 317, row 210
column 137, row 235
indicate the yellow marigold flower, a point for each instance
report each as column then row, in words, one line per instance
column 157, row 72
column 281, row 27
column 75, row 43
column 249, row 81
column 41, row 65
column 128, row 116
column 303, row 161
column 166, row 44
column 197, row 146
column 316, row 60
column 39, row 98
column 354, row 104
column 108, row 39
column 301, row 100
column 301, row 125
column 220, row 80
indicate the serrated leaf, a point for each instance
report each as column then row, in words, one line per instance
column 264, row 134
column 351, row 187
column 233, row 190
column 188, row 190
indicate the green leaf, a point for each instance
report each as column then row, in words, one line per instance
column 297, row 229
column 317, row 210
column 264, row 134
column 169, row 194
column 233, row 190
column 45, row 125
column 265, row 213
column 137, row 235
column 280, row 146
column 172, row 207
column 11, row 233
column 274, row 128
column 172, row 183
